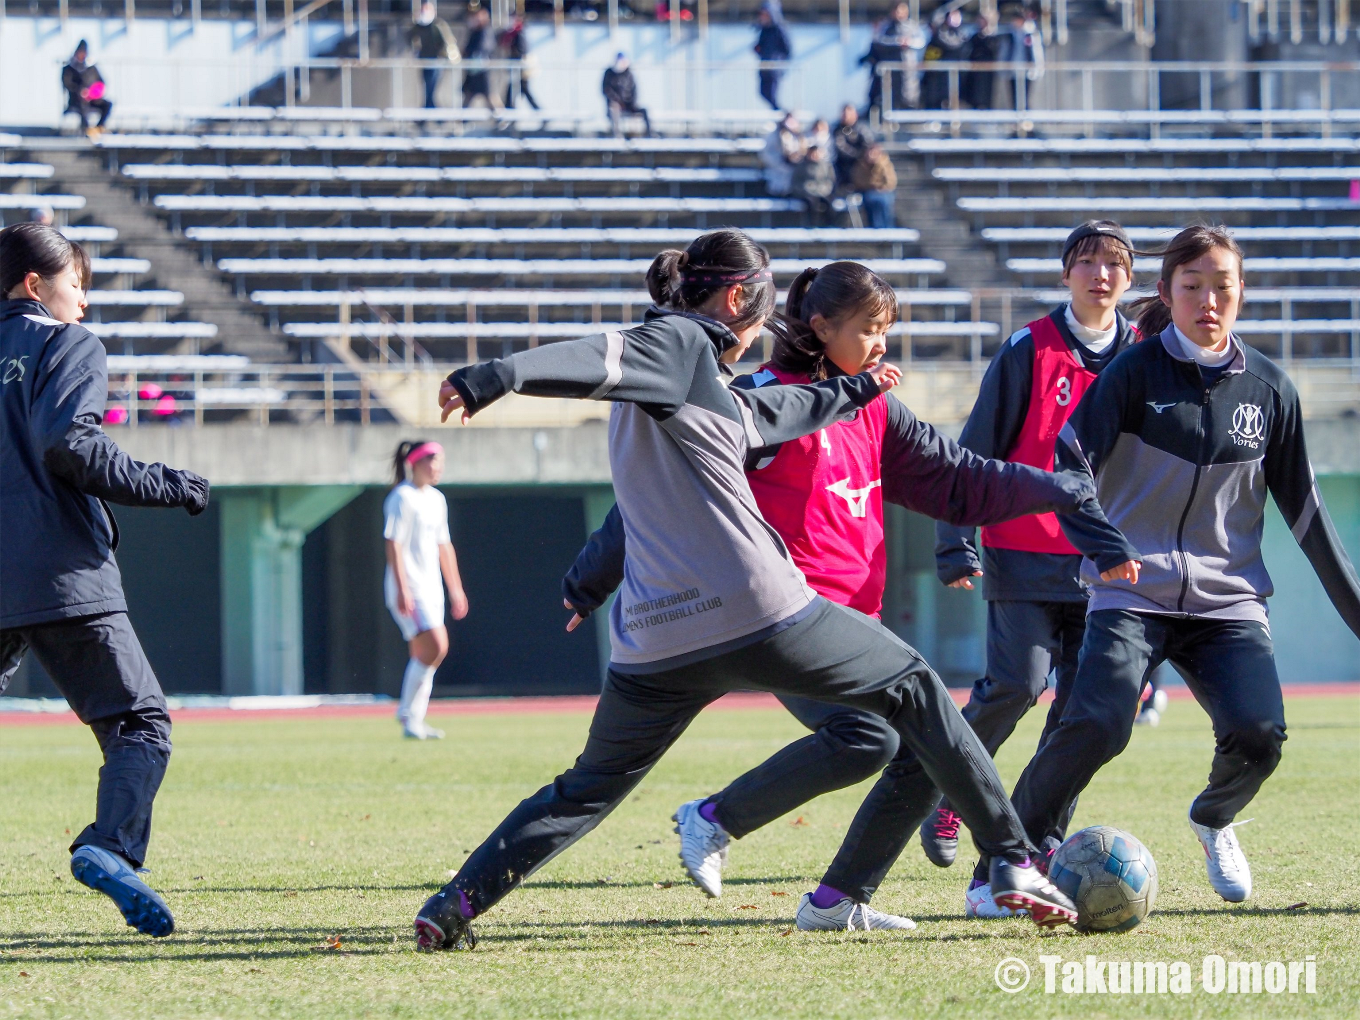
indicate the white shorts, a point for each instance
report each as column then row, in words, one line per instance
column 427, row 615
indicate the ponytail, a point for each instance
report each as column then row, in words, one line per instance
column 833, row 292
column 685, row 280
column 1153, row 314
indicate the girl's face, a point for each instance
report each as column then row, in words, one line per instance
column 1205, row 296
column 427, row 470
column 1096, row 280
column 855, row 343
column 63, row 295
column 726, row 307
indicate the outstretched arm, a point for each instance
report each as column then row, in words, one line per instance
column 991, row 430
column 68, row 407
column 779, row 414
column 598, row 569
column 1289, row 475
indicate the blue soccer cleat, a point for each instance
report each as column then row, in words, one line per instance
column 113, row 876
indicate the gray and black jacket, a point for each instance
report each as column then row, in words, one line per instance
column 1182, row 465
column 922, row 470
column 992, row 429
column 59, row 472
column 704, row 572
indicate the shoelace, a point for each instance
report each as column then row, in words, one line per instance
column 947, row 825
column 1226, row 835
column 863, row 913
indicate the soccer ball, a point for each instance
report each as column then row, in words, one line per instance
column 1109, row 875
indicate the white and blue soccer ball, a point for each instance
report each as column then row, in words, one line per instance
column 1110, row 876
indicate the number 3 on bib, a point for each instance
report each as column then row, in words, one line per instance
column 1064, row 391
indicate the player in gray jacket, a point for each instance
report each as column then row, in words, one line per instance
column 710, row 600
column 60, row 592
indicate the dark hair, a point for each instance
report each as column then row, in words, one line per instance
column 34, row 248
column 684, row 280
column 399, row 459
column 1198, row 239
column 833, row 292
column 1105, row 235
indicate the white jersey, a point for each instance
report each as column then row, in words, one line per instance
column 417, row 519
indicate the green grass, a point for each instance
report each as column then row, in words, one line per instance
column 273, row 836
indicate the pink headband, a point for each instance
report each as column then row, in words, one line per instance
column 422, row 451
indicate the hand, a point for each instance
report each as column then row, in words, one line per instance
column 576, row 618
column 450, row 401
column 405, row 607
column 964, row 582
column 1124, row 572
column 887, row 376
column 196, row 492
column 458, row 604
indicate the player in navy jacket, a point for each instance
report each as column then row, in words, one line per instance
column 60, row 592
column 1184, row 434
column 1036, row 602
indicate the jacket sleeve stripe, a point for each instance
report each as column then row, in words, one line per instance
column 613, row 369
column 1307, row 513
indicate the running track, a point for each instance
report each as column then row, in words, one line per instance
column 575, row 704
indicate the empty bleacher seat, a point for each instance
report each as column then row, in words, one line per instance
column 25, row 171
column 567, row 330
column 1156, row 203
column 1142, row 175
column 105, row 265
column 536, row 235
column 1264, row 264
column 455, row 174
column 1128, row 146
column 153, row 330
column 400, row 143
column 1139, row 235
column 442, row 204
column 135, row 298
column 525, row 267
column 57, row 202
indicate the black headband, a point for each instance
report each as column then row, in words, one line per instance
column 1094, row 228
column 706, row 277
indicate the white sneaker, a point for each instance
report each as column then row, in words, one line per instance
column 978, row 903
column 703, row 846
column 1149, row 716
column 1159, row 700
column 421, row 732
column 1229, row 872
column 847, row 915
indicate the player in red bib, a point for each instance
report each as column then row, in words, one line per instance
column 823, row 495
column 1036, row 604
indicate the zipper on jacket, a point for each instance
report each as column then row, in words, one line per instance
column 1200, row 433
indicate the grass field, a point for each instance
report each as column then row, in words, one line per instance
column 278, row 837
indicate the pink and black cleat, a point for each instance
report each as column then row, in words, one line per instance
column 441, row 924
column 1022, row 886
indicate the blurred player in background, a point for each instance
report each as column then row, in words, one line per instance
column 420, row 563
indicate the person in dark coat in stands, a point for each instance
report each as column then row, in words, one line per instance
column 481, row 46
column 772, row 46
column 896, row 40
column 620, row 95
column 84, row 87
column 851, row 140
column 1021, row 43
column 432, row 39
column 516, row 47
column 876, row 181
column 948, row 41
column 978, row 87
column 61, row 595
column 814, row 181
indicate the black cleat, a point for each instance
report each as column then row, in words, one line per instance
column 1025, row 887
column 940, row 837
column 441, row 924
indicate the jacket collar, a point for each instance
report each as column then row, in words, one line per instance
column 10, row 307
column 1172, row 346
column 722, row 337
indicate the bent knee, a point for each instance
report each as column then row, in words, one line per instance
column 864, row 742
column 1259, row 744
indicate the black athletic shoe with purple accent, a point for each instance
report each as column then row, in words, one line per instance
column 1025, row 887
column 441, row 924
column 940, row 837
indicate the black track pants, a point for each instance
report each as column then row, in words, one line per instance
column 1025, row 642
column 98, row 665
column 1230, row 668
column 835, row 655
column 846, row 746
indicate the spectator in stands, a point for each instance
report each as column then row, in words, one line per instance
column 814, row 181
column 897, row 40
column 772, row 46
column 948, row 38
column 851, row 140
column 876, row 181
column 819, row 138
column 481, row 47
column 978, row 86
column 782, row 153
column 432, row 39
column 620, row 96
column 1021, row 43
column 516, row 47
column 84, row 87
